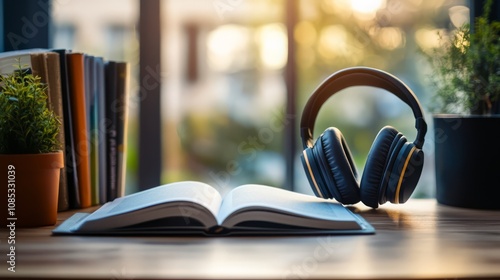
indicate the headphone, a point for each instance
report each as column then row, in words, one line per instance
column 393, row 165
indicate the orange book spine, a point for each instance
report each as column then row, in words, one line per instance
column 76, row 76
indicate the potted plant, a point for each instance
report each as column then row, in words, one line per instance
column 30, row 158
column 466, row 75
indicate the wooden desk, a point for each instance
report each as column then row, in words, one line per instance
column 419, row 239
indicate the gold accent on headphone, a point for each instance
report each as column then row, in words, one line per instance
column 396, row 198
column 311, row 173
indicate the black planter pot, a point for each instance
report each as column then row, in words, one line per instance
column 467, row 154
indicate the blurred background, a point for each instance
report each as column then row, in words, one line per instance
column 223, row 78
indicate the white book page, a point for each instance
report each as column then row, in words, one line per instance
column 9, row 63
column 259, row 197
column 150, row 203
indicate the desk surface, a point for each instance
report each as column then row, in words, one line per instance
column 416, row 239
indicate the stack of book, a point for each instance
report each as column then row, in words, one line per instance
column 89, row 94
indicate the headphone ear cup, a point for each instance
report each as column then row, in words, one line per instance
column 376, row 163
column 405, row 173
column 312, row 173
column 339, row 169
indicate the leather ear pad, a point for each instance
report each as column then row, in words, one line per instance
column 408, row 168
column 376, row 162
column 340, row 172
column 311, row 170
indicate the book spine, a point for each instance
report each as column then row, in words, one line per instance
column 53, row 70
column 101, row 128
column 69, row 148
column 111, row 147
column 123, row 80
column 76, row 69
column 90, row 94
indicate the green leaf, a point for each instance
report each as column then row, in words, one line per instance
column 27, row 125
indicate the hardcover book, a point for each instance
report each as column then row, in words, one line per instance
column 195, row 208
column 111, row 80
column 92, row 126
column 122, row 96
column 101, row 127
column 76, row 81
column 70, row 151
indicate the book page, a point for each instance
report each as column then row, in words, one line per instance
column 279, row 205
column 184, row 199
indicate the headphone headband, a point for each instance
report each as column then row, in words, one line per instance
column 359, row 76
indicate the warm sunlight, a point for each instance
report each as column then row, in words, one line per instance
column 427, row 38
column 273, row 45
column 333, row 41
column 367, row 6
column 227, row 46
column 305, row 33
column 459, row 15
column 391, row 38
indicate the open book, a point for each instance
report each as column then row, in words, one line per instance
column 190, row 207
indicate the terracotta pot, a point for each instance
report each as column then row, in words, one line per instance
column 29, row 188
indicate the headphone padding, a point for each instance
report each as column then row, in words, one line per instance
column 376, row 162
column 311, row 173
column 322, row 172
column 408, row 168
column 340, row 166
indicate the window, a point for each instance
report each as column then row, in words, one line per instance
column 118, row 37
column 224, row 91
column 64, row 36
column 223, row 81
